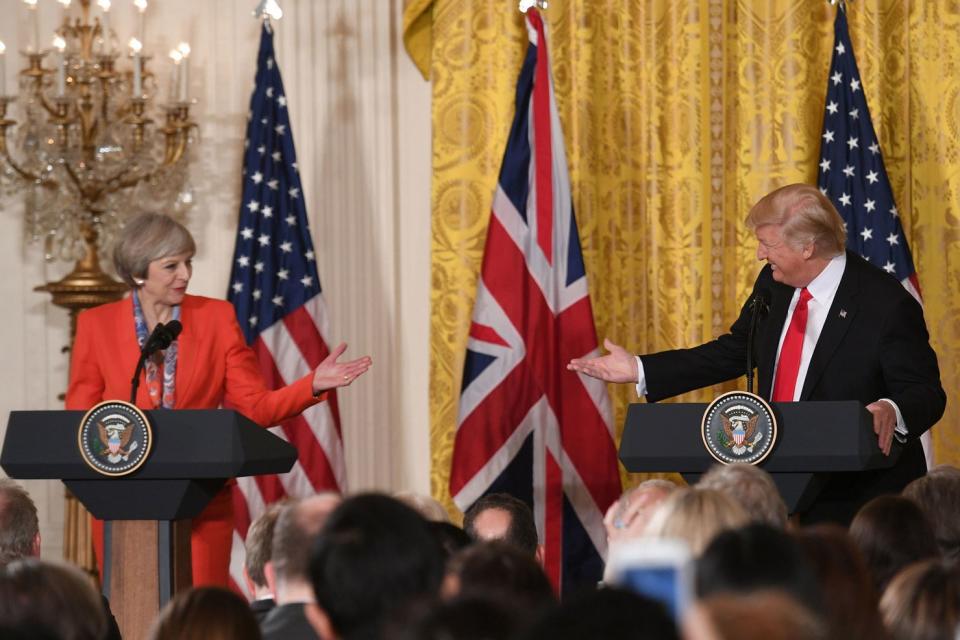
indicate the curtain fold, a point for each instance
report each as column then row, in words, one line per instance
column 677, row 117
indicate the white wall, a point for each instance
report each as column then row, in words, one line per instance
column 361, row 123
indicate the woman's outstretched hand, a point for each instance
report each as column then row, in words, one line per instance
column 331, row 374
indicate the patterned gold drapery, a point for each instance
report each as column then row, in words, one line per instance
column 677, row 117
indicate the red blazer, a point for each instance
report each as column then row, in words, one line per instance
column 214, row 364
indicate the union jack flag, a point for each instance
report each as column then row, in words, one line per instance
column 275, row 287
column 526, row 425
column 853, row 176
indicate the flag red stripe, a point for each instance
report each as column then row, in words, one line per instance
column 485, row 333
column 543, row 149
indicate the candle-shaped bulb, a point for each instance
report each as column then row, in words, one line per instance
column 60, row 44
column 104, row 4
column 176, row 56
column 3, row 69
column 65, row 3
column 184, row 49
column 30, row 3
column 141, row 5
column 135, row 47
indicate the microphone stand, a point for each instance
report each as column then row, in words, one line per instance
column 758, row 304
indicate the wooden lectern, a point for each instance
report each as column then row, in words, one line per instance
column 146, row 514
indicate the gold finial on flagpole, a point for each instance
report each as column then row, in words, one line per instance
column 526, row 5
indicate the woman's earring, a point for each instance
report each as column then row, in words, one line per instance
column 138, row 281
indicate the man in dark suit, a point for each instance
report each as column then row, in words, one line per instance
column 298, row 526
column 838, row 328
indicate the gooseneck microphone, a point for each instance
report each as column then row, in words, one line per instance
column 161, row 338
column 759, row 305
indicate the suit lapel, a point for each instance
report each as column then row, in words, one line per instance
column 186, row 354
column 839, row 318
column 779, row 303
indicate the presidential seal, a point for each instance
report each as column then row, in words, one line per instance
column 739, row 427
column 114, row 438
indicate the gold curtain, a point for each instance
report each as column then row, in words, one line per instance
column 677, row 117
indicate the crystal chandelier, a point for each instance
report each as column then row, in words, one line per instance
column 85, row 153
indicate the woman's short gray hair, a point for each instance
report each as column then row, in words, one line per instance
column 145, row 238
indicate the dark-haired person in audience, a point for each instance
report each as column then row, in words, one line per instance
column 922, row 602
column 605, row 614
column 752, row 488
column 500, row 516
column 501, row 572
column 938, row 496
column 470, row 618
column 298, row 526
column 754, row 558
column 846, row 585
column 52, row 600
column 763, row 615
column 374, row 557
column 450, row 537
column 892, row 532
column 206, row 613
column 257, row 547
column 20, row 536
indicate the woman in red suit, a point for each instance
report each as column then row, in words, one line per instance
column 209, row 364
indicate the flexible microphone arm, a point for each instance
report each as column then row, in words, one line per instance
column 759, row 304
column 160, row 339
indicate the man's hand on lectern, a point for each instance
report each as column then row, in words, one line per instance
column 617, row 366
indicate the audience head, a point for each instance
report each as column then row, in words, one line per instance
column 892, row 532
column 752, row 487
column 374, row 556
column 605, row 614
column 757, row 557
column 258, row 547
column 427, row 506
column 696, row 515
column 450, row 537
column 846, row 586
column 500, row 516
column 922, row 602
column 206, row 613
column 470, row 618
column 19, row 527
column 764, row 615
column 938, row 496
column 627, row 518
column 498, row 571
column 55, row 600
column 298, row 525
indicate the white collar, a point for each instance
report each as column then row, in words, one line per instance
column 825, row 285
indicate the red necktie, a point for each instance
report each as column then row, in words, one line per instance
column 785, row 381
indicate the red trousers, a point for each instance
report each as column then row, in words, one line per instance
column 211, row 535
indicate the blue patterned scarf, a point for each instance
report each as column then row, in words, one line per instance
column 167, row 400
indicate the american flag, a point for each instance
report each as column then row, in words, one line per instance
column 275, row 288
column 526, row 425
column 853, row 176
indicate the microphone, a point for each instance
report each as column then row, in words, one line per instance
column 161, row 338
column 759, row 305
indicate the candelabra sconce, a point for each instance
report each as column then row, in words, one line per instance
column 83, row 150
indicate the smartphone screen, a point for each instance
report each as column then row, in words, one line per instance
column 659, row 569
